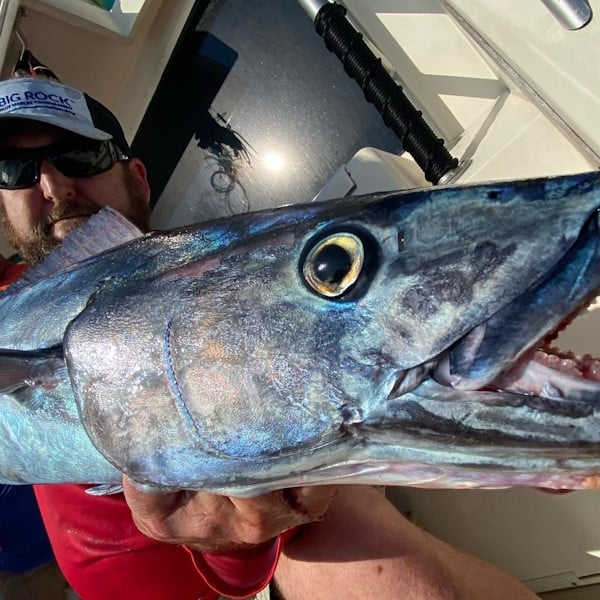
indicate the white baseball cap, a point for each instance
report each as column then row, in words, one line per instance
column 39, row 99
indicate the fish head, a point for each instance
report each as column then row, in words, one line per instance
column 351, row 339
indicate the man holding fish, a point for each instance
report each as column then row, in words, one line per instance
column 63, row 157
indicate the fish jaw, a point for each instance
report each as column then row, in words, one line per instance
column 229, row 372
column 484, row 353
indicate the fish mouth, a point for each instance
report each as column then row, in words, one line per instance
column 537, row 424
column 553, row 373
column 513, row 350
column 503, row 403
column 544, row 369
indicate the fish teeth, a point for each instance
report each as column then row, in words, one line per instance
column 408, row 380
column 566, row 361
column 552, row 392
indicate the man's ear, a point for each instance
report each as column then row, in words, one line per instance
column 138, row 170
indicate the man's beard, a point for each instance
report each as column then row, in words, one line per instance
column 35, row 249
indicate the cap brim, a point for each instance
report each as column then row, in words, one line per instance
column 66, row 124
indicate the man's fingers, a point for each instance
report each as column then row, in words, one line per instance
column 312, row 502
column 212, row 522
column 147, row 500
column 266, row 516
column 155, row 514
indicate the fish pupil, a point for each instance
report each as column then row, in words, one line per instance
column 332, row 264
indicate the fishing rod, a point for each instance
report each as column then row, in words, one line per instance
column 380, row 89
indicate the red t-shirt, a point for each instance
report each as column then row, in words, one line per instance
column 104, row 556
column 10, row 274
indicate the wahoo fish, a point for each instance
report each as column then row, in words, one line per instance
column 396, row 338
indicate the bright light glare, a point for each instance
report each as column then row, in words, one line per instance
column 273, row 161
column 595, row 553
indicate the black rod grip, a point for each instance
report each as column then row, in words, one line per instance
column 383, row 92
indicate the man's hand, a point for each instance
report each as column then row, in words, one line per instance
column 210, row 523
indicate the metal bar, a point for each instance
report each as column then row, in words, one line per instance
column 312, row 7
column 571, row 14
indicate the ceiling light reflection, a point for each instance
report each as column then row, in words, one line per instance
column 273, row 161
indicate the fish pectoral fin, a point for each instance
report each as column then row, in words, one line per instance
column 105, row 489
column 103, row 231
column 20, row 369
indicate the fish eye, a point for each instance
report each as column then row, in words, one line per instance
column 334, row 264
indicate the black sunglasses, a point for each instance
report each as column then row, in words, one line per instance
column 20, row 167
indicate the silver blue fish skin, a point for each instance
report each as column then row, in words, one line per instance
column 356, row 340
column 42, row 437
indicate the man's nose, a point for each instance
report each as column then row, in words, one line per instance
column 56, row 186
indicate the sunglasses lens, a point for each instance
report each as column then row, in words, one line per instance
column 17, row 173
column 85, row 162
column 22, row 168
